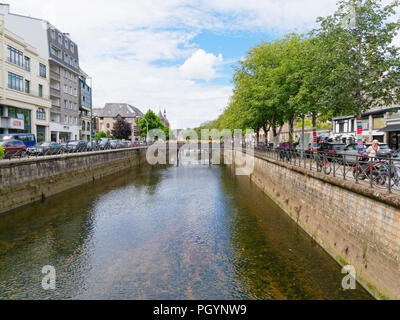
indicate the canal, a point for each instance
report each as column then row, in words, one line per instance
column 176, row 233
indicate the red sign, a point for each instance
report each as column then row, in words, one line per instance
column 17, row 124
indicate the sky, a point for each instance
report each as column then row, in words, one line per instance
column 175, row 55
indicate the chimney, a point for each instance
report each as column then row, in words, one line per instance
column 4, row 8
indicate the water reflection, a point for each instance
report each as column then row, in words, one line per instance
column 175, row 233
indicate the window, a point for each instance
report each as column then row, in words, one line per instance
column 59, row 38
column 365, row 124
column 55, row 52
column 40, row 114
column 27, row 64
column 65, row 104
column 15, row 56
column 42, row 70
column 65, row 88
column 379, row 123
column 66, row 43
column 40, row 90
column 341, row 127
column 72, row 47
column 53, row 34
column 27, row 86
column 15, row 82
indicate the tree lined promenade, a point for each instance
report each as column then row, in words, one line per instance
column 347, row 65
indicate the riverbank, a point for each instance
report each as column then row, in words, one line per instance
column 354, row 229
column 35, row 179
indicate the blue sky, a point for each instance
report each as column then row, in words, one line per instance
column 171, row 54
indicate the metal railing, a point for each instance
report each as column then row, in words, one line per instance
column 26, row 155
column 382, row 173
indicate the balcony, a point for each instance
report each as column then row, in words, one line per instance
column 54, row 75
column 55, row 92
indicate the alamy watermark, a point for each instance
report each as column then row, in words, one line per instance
column 49, row 280
column 349, row 282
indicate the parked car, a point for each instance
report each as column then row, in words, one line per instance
column 104, row 144
column 28, row 139
column 332, row 148
column 127, row 144
column 350, row 153
column 76, row 146
column 115, row 144
column 13, row 148
column 93, row 146
column 45, row 148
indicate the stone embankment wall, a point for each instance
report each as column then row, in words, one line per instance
column 26, row 181
column 355, row 225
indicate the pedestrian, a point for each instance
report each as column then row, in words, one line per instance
column 372, row 151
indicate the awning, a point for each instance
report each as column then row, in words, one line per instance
column 391, row 128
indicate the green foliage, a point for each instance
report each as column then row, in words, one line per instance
column 110, row 137
column 364, row 65
column 338, row 69
column 324, row 125
column 122, row 129
column 153, row 122
column 307, row 123
column 100, row 135
column 1, row 152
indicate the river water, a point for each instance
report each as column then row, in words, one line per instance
column 193, row 232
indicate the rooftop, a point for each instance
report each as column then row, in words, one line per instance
column 112, row 110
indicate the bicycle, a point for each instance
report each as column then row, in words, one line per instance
column 323, row 164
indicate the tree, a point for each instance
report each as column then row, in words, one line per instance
column 100, row 135
column 152, row 121
column 122, row 129
column 364, row 64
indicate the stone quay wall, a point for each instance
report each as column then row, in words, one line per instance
column 34, row 179
column 355, row 225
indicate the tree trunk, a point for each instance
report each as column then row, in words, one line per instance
column 266, row 130
column 291, row 131
column 314, row 120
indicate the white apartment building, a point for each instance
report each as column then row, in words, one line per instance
column 24, row 87
column 61, row 54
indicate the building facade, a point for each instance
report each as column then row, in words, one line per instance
column 106, row 117
column 164, row 119
column 61, row 54
column 374, row 123
column 85, row 106
column 24, row 87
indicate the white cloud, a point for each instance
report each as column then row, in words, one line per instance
column 201, row 66
column 121, row 42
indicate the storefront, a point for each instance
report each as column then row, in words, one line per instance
column 394, row 135
column 15, row 120
column 65, row 137
column 40, row 134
